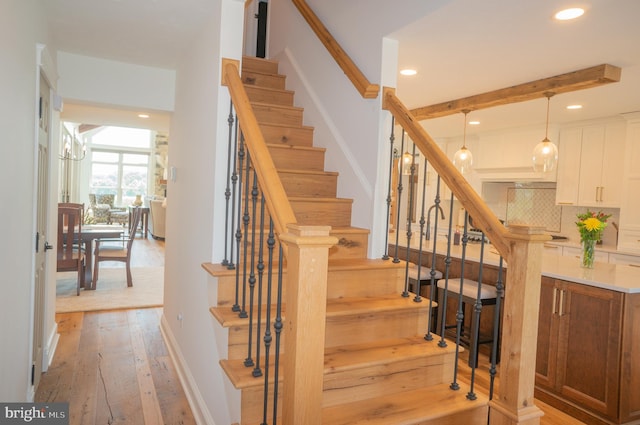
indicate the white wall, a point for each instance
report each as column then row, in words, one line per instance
column 195, row 212
column 21, row 28
column 101, row 81
column 353, row 129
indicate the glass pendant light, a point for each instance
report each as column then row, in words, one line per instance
column 463, row 160
column 545, row 154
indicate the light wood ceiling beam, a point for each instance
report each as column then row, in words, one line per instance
column 564, row 83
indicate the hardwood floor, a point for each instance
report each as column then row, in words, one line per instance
column 552, row 416
column 113, row 367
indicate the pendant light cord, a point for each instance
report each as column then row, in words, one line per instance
column 546, row 131
column 464, row 132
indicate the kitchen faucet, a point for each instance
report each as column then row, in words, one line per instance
column 439, row 208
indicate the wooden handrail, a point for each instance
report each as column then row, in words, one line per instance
column 483, row 217
column 361, row 83
column 277, row 201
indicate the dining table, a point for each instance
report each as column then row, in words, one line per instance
column 91, row 232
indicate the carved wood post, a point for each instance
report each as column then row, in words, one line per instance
column 514, row 403
column 305, row 319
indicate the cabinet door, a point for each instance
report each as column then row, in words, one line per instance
column 589, row 347
column 590, row 187
column 613, row 157
column 547, row 351
column 569, row 148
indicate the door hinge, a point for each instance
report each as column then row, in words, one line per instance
column 37, row 241
column 33, row 374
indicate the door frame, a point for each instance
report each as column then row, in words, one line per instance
column 45, row 311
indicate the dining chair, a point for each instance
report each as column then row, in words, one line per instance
column 74, row 205
column 114, row 249
column 70, row 255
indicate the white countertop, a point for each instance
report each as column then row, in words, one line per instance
column 616, row 277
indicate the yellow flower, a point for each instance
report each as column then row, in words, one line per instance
column 592, row 224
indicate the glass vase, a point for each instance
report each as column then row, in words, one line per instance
column 588, row 254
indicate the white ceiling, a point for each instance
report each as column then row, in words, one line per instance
column 463, row 48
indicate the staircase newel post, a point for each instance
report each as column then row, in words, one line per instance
column 514, row 404
column 305, row 319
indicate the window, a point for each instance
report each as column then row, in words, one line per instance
column 120, row 163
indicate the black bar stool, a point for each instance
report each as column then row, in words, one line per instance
column 488, row 296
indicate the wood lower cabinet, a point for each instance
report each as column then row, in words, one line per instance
column 587, row 340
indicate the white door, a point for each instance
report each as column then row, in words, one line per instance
column 41, row 232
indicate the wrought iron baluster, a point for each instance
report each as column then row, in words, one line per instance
column 495, row 346
column 267, row 334
column 278, row 326
column 227, row 191
column 405, row 293
column 475, row 332
column 459, row 314
column 234, row 191
column 260, row 267
column 245, row 249
column 418, row 297
column 252, row 269
column 241, row 155
column 392, row 137
column 396, row 259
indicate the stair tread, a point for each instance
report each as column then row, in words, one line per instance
column 320, row 200
column 295, row 147
column 310, row 172
column 381, row 303
column 276, row 106
column 219, row 270
column 336, row 307
column 275, row 124
column 347, row 357
column 268, row 89
column 269, row 74
column 404, row 408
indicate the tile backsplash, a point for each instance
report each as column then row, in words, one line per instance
column 534, row 203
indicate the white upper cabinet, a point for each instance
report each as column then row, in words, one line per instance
column 569, row 152
column 629, row 236
column 590, row 165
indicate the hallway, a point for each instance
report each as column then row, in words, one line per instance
column 113, row 368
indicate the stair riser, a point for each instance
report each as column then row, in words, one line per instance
column 368, row 327
column 238, row 336
column 252, row 402
column 349, row 246
column 263, row 80
column 345, row 387
column 300, row 159
column 378, row 380
column 294, row 136
column 275, row 114
column 310, row 212
column 343, row 330
column 341, row 284
column 315, row 185
column 259, row 65
column 276, row 97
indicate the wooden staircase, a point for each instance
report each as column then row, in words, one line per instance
column 379, row 369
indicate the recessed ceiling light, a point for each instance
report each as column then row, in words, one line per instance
column 408, row 72
column 474, row 122
column 574, row 107
column 143, row 115
column 571, row 13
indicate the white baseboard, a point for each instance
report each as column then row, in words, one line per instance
column 50, row 348
column 196, row 402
